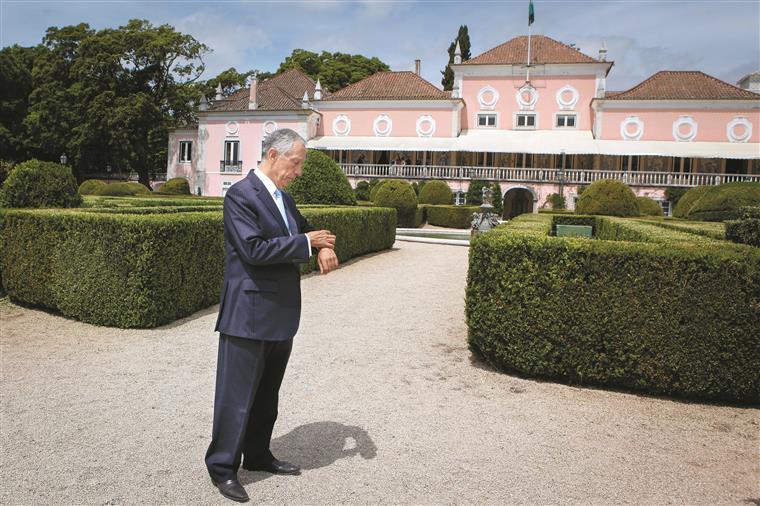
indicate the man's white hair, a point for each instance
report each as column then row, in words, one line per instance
column 281, row 140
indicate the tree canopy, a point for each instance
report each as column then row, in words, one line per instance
column 334, row 70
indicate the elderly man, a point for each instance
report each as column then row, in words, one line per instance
column 265, row 239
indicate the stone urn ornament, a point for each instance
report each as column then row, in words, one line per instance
column 486, row 219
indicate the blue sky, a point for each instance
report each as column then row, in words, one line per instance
column 721, row 38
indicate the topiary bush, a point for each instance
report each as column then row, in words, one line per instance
column 123, row 189
column 399, row 195
column 361, row 192
column 722, row 202
column 451, row 216
column 687, row 200
column 436, row 192
column 89, row 186
column 375, row 185
column 674, row 194
column 649, row 207
column 35, row 183
column 322, row 182
column 745, row 230
column 556, row 200
column 608, row 197
column 175, row 186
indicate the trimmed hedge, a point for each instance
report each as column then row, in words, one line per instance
column 436, row 192
column 608, row 197
column 150, row 200
column 374, row 186
column 674, row 314
column 89, row 186
column 39, row 184
column 175, row 186
column 648, row 207
column 722, row 202
column 747, row 229
column 322, row 182
column 451, row 216
column 122, row 189
column 687, row 200
column 399, row 195
column 122, row 269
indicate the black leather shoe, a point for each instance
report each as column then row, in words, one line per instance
column 274, row 466
column 231, row 489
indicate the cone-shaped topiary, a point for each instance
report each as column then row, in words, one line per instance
column 122, row 189
column 35, row 183
column 175, row 186
column 436, row 192
column 722, row 202
column 649, row 207
column 399, row 195
column 322, row 182
column 89, row 186
column 608, row 197
column 687, row 200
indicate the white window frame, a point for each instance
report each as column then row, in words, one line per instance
column 182, row 152
column 523, row 113
column 226, row 186
column 224, row 150
column 565, row 127
column 487, row 114
column 460, row 198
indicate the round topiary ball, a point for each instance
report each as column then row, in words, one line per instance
column 35, row 183
column 89, row 186
column 375, row 185
column 399, row 195
column 322, row 182
column 687, row 200
column 608, row 197
column 723, row 202
column 436, row 192
column 175, row 186
column 649, row 207
column 125, row 189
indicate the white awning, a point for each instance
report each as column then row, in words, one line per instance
column 571, row 142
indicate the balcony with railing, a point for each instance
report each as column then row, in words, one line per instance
column 538, row 175
column 231, row 166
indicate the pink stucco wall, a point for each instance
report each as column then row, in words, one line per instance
column 546, row 106
column 175, row 168
column 404, row 121
column 658, row 125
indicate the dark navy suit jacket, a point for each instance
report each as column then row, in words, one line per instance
column 261, row 295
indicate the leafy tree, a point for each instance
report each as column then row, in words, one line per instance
column 15, row 87
column 230, row 79
column 334, row 70
column 475, row 194
column 463, row 37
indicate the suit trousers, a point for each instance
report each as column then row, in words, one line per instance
column 248, row 377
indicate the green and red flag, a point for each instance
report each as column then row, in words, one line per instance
column 531, row 13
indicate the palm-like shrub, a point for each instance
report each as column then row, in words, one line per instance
column 35, row 183
column 608, row 197
column 322, row 182
column 436, row 192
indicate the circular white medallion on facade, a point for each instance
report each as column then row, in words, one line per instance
column 269, row 127
column 341, row 125
column 425, row 126
column 684, row 129
column 567, row 97
column 527, row 96
column 232, row 127
column 487, row 98
column 739, row 129
column 631, row 134
column 382, row 125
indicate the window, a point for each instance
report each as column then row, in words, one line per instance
column 682, row 165
column 225, row 186
column 665, row 204
column 526, row 121
column 566, row 164
column 185, row 151
column 486, row 120
column 565, row 120
column 231, row 151
column 459, row 198
column 630, row 163
column 527, row 159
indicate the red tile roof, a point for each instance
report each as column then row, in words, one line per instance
column 684, row 85
column 543, row 49
column 390, row 85
column 282, row 92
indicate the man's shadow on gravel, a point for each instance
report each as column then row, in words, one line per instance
column 316, row 445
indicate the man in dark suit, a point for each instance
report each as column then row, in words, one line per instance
column 265, row 238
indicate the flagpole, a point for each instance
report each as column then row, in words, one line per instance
column 527, row 77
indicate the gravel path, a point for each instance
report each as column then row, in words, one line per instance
column 382, row 403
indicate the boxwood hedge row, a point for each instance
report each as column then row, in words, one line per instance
column 131, row 269
column 450, row 216
column 673, row 313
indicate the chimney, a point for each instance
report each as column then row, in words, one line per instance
column 219, row 92
column 252, row 104
column 417, row 65
column 457, row 54
column 305, row 100
column 318, row 91
column 603, row 52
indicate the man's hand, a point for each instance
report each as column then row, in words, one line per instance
column 327, row 260
column 321, row 239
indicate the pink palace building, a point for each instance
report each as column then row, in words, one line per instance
column 537, row 129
